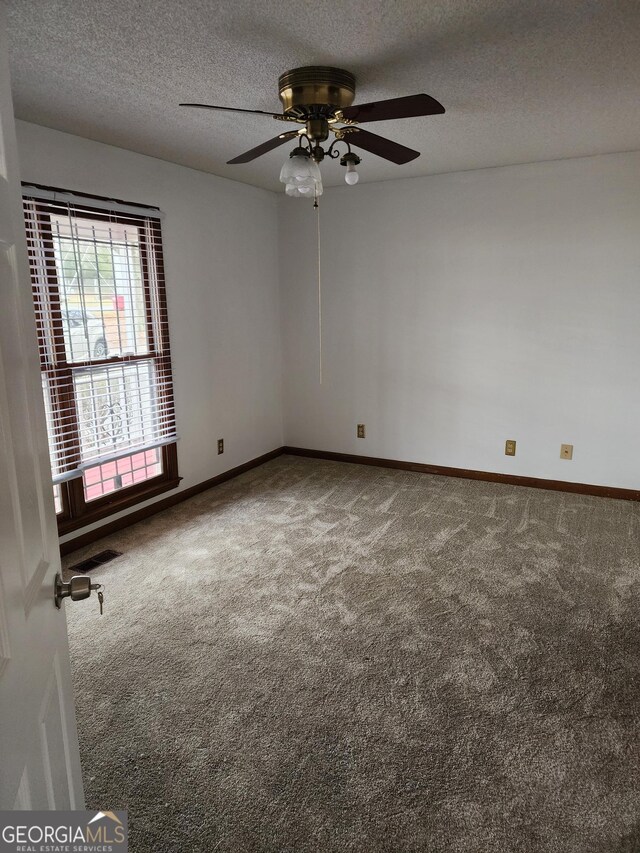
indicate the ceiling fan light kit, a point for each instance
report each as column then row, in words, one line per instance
column 320, row 99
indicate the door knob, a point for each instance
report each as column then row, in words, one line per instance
column 78, row 588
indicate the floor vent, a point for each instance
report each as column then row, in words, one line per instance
column 95, row 561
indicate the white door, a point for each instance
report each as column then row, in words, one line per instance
column 39, row 758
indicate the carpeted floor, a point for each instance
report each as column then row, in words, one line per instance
column 327, row 657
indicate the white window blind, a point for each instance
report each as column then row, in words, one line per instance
column 98, row 290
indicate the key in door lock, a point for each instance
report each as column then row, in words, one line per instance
column 78, row 588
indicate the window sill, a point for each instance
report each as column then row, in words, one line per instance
column 115, row 503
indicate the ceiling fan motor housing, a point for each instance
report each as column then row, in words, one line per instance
column 316, row 91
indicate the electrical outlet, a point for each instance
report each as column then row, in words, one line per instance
column 510, row 447
column 566, row 451
column 220, row 445
column 360, row 433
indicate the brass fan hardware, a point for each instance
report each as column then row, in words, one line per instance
column 316, row 90
column 321, row 99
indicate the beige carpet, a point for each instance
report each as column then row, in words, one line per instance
column 328, row 657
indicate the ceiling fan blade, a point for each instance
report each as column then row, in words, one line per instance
column 407, row 107
column 262, row 149
column 235, row 110
column 382, row 147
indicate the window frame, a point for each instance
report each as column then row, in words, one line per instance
column 76, row 511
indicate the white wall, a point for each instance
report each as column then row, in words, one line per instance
column 458, row 311
column 464, row 309
column 221, row 268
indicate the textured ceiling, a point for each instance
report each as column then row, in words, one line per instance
column 521, row 80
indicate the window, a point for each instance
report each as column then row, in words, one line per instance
column 98, row 287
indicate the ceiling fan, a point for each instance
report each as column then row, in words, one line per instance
column 320, row 99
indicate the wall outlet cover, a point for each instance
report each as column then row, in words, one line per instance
column 220, row 445
column 510, row 447
column 566, row 451
column 361, row 431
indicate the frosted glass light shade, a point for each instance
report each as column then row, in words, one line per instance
column 294, row 168
column 301, row 176
column 297, row 191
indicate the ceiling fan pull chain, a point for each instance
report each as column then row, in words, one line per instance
column 317, row 209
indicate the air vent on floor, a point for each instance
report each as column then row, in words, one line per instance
column 95, row 561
